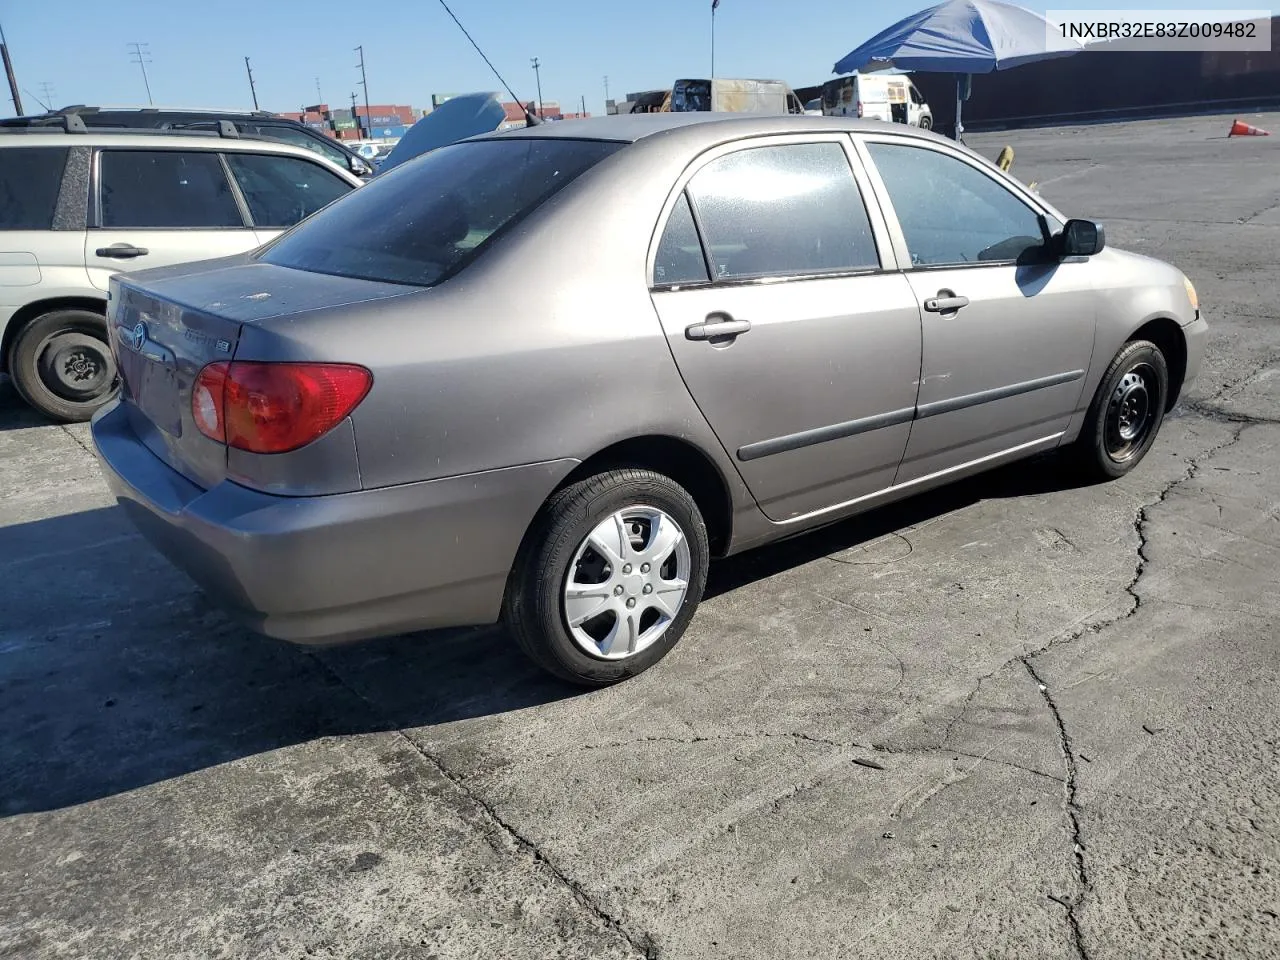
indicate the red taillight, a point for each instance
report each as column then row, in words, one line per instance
column 275, row 407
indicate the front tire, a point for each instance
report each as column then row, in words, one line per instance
column 926, row 123
column 1126, row 413
column 609, row 577
column 61, row 365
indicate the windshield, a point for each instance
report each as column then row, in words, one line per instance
column 833, row 92
column 422, row 222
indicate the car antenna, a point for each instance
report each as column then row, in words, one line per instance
column 530, row 119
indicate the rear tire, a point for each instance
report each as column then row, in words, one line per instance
column 61, row 364
column 1125, row 415
column 627, row 604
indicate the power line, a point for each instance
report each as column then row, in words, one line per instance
column 47, row 89
column 142, row 56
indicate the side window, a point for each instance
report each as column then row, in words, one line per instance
column 281, row 191
column 165, row 188
column 788, row 210
column 298, row 138
column 30, row 178
column 951, row 212
column 679, row 256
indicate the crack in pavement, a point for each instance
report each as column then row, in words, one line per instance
column 643, row 943
column 1070, row 802
column 1072, row 807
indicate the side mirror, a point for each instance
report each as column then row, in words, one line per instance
column 360, row 167
column 1081, row 238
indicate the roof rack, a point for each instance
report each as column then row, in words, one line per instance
column 84, row 108
column 71, row 123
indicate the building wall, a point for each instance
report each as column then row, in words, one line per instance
column 1098, row 84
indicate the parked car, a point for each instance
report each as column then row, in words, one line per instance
column 877, row 96
column 258, row 123
column 547, row 374
column 78, row 206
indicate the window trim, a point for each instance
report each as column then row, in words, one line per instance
column 901, row 249
column 95, row 191
column 880, row 233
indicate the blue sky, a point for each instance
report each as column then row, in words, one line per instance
column 412, row 49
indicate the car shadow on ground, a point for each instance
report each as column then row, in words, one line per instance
column 117, row 673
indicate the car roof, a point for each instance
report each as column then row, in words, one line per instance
column 146, row 139
column 632, row 127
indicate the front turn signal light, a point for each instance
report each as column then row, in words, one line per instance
column 1191, row 293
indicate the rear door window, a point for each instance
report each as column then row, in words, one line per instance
column 783, row 211
column 30, row 178
column 280, row 191
column 426, row 219
column 170, row 189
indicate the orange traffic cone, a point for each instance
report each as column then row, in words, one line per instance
column 1239, row 129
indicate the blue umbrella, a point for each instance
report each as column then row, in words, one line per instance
column 962, row 37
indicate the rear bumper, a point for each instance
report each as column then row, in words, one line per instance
column 333, row 568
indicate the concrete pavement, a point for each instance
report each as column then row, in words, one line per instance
column 1013, row 719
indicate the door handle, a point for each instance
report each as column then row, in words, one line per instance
column 715, row 329
column 948, row 304
column 122, row 251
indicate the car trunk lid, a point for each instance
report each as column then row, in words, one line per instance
column 165, row 326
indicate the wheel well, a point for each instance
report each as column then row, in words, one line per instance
column 39, row 308
column 1167, row 336
column 682, row 462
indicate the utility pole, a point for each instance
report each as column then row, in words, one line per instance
column 142, row 57
column 252, row 89
column 584, row 104
column 355, row 116
column 537, row 72
column 319, row 95
column 364, row 83
column 8, row 69
column 47, row 89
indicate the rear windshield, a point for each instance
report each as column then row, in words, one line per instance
column 30, row 178
column 423, row 221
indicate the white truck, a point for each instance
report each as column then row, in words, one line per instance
column 878, row 96
column 723, row 95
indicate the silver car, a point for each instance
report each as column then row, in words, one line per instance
column 546, row 375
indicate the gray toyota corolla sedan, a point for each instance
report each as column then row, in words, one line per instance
column 545, row 376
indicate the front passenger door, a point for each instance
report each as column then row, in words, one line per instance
column 153, row 208
column 775, row 286
column 1008, row 335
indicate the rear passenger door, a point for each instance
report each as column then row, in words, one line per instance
column 281, row 190
column 153, row 208
column 779, row 296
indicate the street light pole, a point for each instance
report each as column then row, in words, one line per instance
column 537, row 73
column 252, row 89
column 8, row 69
column 364, row 83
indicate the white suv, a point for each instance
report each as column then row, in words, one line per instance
column 78, row 205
